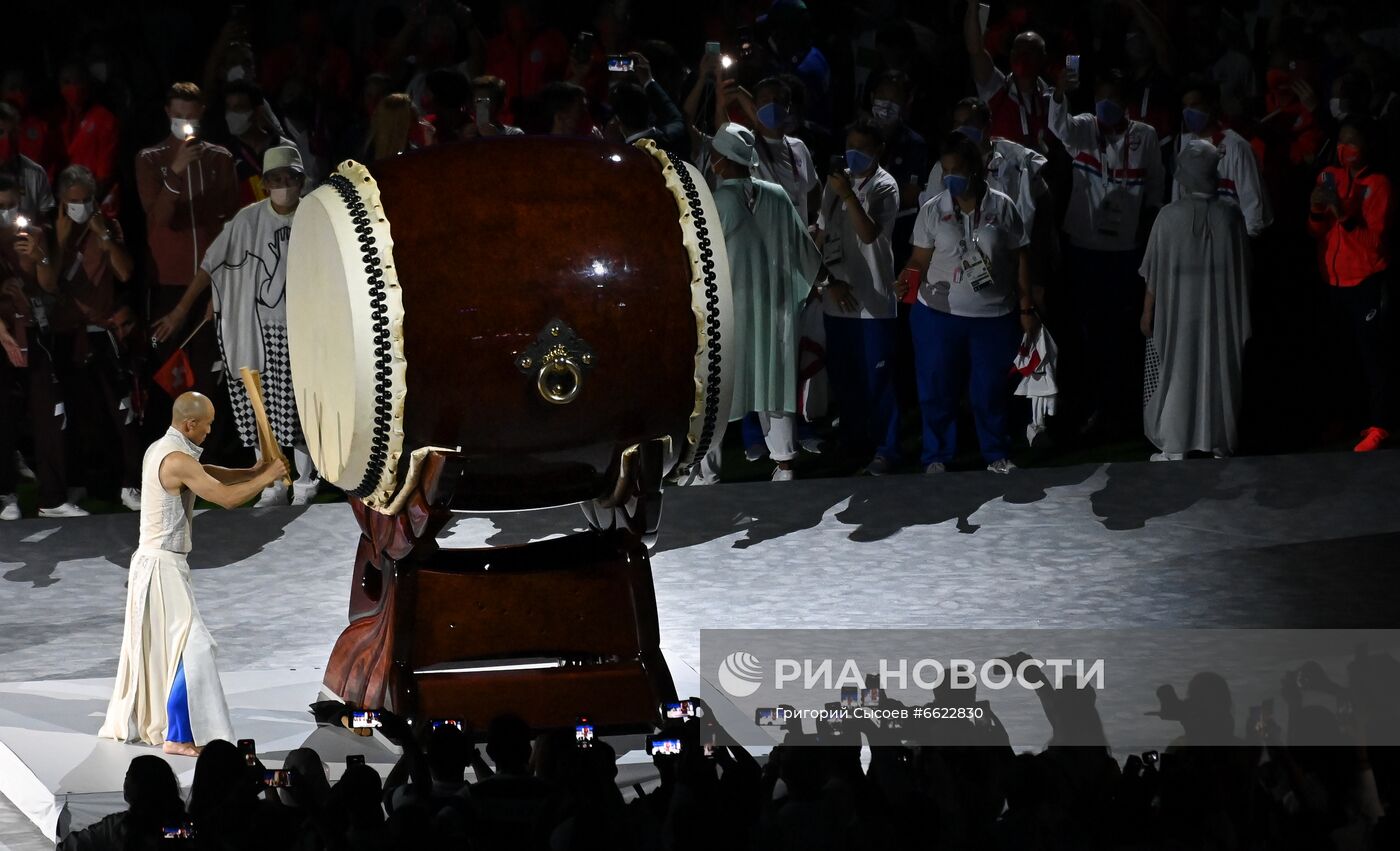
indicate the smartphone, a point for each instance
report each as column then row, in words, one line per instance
column 681, row 709
column 767, row 716
column 279, row 778
column 354, row 759
column 984, row 14
column 483, row 111
column 869, row 697
column 21, row 222
column 1152, row 758
column 712, row 48
column 620, row 64
column 583, row 733
column 745, row 39
column 850, row 696
column 249, row 749
column 836, row 164
column 583, row 47
column 439, row 723
column 183, row 831
column 366, row 719
column 1072, row 64
column 663, row 745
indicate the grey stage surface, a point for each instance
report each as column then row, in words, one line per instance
column 1302, row 541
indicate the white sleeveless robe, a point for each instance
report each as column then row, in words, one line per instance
column 163, row 625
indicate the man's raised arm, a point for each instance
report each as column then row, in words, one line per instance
column 179, row 469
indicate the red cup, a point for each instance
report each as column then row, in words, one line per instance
column 912, row 276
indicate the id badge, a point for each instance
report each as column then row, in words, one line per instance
column 976, row 273
column 1110, row 215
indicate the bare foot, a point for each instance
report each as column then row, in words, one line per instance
column 181, row 748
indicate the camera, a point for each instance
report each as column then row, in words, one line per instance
column 620, row 64
column 767, row 716
column 849, row 696
column 279, row 778
column 366, row 719
column 182, row 831
column 663, row 745
column 354, row 759
column 583, row 733
column 680, row 709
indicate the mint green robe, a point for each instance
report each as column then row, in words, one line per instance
column 772, row 265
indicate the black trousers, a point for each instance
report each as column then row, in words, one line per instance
column 1363, row 331
column 104, row 436
column 33, row 395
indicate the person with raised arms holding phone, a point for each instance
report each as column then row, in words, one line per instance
column 167, row 690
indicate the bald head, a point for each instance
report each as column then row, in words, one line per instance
column 192, row 416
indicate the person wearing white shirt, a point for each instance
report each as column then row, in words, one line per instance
column 1119, row 183
column 855, row 229
column 974, row 303
column 782, row 159
column 1238, row 170
column 1012, row 169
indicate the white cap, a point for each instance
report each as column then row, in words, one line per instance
column 282, row 156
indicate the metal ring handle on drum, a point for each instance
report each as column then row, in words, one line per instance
column 559, row 381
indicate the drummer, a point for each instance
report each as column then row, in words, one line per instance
column 246, row 265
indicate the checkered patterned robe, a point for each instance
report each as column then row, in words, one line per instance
column 248, row 265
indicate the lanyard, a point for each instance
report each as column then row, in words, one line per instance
column 1142, row 110
column 792, row 156
column 1104, row 171
column 1015, row 94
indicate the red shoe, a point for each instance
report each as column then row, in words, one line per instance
column 1371, row 439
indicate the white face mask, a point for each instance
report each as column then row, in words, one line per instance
column 8, row 216
column 238, row 122
column 178, row 125
column 1335, row 105
column 80, row 213
column 284, row 196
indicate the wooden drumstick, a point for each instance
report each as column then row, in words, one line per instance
column 267, row 441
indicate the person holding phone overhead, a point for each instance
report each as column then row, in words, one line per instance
column 973, row 306
column 1017, row 99
column 167, row 689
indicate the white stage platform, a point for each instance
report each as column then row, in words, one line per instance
column 1293, row 542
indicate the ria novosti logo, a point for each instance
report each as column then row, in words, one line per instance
column 740, row 673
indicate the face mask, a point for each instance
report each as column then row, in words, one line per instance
column 973, row 133
column 956, row 184
column 237, row 72
column 72, row 94
column 238, row 122
column 885, row 111
column 177, row 127
column 1338, row 108
column 8, row 216
column 1025, row 66
column 772, row 115
column 1348, row 155
column 858, row 161
column 1109, row 113
column 1195, row 120
column 80, row 213
column 284, row 196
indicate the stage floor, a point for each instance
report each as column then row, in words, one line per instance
column 1302, row 541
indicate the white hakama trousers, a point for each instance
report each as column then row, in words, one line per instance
column 163, row 627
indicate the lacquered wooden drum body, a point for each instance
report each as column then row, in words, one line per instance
column 534, row 305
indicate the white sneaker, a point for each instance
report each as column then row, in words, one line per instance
column 878, row 466
column 23, row 468
column 813, row 445
column 1001, row 465
column 1168, row 456
column 11, row 507
column 67, row 509
column 755, row 452
column 935, row 468
column 781, row 475
column 273, row 494
column 302, row 492
column 131, row 498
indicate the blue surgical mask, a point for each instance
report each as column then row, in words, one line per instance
column 1108, row 112
column 973, row 133
column 1195, row 120
column 858, row 161
column 772, row 115
column 956, row 184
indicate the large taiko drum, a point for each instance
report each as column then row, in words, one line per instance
column 535, row 307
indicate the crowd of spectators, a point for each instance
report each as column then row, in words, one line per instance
column 983, row 182
column 1299, row 770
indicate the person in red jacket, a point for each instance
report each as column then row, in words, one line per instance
column 90, row 133
column 1350, row 212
